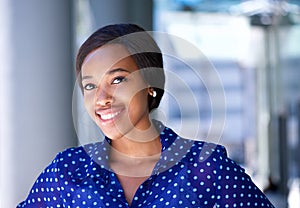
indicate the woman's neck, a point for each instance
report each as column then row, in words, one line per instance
column 135, row 158
column 138, row 145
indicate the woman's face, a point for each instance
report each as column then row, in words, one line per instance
column 115, row 94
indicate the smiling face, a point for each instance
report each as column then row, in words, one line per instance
column 115, row 94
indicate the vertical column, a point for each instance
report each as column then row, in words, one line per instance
column 269, row 103
column 298, row 138
column 5, row 102
column 39, row 77
column 283, row 155
column 263, row 111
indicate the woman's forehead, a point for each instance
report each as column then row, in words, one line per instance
column 105, row 57
column 108, row 57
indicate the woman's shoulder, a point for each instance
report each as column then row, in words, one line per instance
column 198, row 145
column 74, row 152
column 193, row 149
column 75, row 157
column 208, row 157
column 208, row 148
column 201, row 150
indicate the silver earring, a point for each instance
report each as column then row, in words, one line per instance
column 154, row 94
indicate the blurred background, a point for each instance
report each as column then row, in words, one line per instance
column 254, row 46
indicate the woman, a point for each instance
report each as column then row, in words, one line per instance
column 141, row 163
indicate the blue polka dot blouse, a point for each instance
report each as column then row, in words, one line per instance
column 188, row 174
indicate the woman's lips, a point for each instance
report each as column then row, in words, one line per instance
column 108, row 115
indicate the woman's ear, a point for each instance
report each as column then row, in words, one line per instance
column 152, row 92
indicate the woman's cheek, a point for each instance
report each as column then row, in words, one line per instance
column 89, row 103
column 127, row 92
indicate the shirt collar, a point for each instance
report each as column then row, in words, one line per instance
column 174, row 149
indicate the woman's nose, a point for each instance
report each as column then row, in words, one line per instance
column 103, row 97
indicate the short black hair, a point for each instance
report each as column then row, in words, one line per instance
column 142, row 47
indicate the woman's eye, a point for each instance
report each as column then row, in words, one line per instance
column 89, row 86
column 118, row 80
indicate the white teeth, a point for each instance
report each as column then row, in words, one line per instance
column 109, row 116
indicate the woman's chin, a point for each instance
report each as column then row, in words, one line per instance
column 111, row 129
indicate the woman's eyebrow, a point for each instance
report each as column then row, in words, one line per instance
column 86, row 77
column 112, row 71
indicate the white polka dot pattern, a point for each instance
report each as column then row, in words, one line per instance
column 188, row 174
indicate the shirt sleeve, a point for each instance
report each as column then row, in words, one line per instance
column 46, row 189
column 234, row 187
